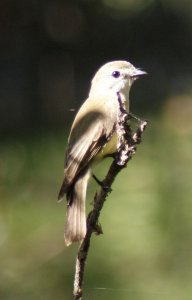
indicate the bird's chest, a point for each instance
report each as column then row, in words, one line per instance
column 109, row 148
column 112, row 116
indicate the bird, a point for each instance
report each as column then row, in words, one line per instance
column 93, row 137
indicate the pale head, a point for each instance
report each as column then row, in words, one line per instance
column 116, row 76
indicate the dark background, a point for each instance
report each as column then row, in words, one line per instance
column 49, row 51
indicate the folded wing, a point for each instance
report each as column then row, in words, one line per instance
column 87, row 138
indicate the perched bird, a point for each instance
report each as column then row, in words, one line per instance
column 93, row 136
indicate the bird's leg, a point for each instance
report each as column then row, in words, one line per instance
column 100, row 183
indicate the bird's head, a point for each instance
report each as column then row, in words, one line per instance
column 117, row 76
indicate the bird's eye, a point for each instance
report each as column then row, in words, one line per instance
column 116, row 74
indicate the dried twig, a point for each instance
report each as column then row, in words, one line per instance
column 126, row 149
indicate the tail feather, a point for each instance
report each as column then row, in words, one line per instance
column 75, row 224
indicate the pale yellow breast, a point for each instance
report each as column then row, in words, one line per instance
column 109, row 148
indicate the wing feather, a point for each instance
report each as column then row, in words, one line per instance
column 91, row 130
column 85, row 148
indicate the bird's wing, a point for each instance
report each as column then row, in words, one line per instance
column 92, row 129
column 86, row 140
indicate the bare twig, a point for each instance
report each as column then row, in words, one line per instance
column 126, row 149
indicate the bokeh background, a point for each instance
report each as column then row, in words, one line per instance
column 49, row 50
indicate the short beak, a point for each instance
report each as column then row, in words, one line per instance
column 137, row 73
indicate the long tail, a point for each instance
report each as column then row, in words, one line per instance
column 75, row 225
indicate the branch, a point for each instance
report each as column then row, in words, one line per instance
column 127, row 143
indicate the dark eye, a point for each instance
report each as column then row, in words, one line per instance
column 116, row 74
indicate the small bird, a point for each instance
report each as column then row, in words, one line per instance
column 93, row 137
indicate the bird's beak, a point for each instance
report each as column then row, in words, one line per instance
column 137, row 73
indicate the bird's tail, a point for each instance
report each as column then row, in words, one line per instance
column 75, row 225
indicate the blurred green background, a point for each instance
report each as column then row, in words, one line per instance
column 49, row 52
